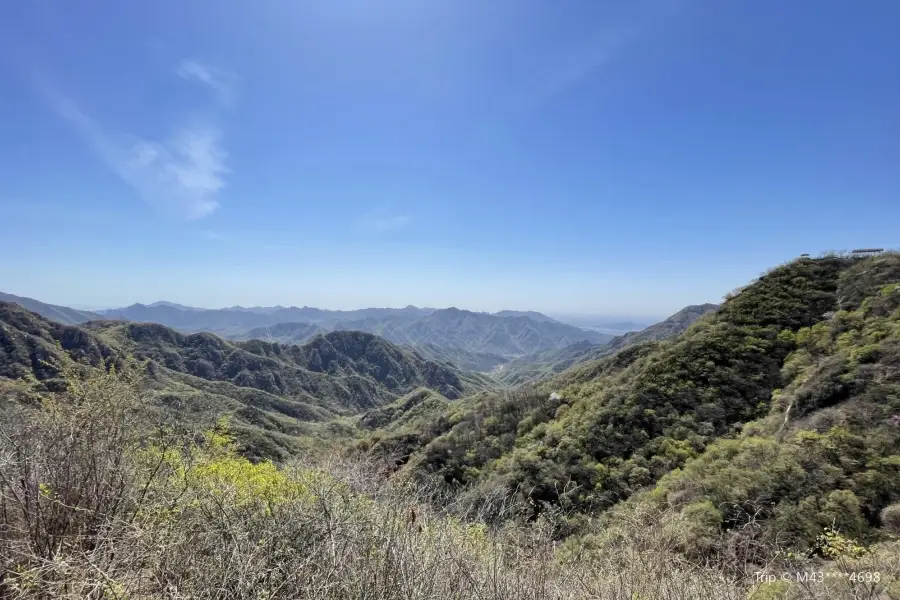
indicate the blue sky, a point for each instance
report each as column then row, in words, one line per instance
column 574, row 156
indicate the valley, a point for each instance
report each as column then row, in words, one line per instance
column 522, row 345
column 453, row 300
column 789, row 387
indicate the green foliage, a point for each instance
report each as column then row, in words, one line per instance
column 98, row 501
column 890, row 518
column 698, row 528
column 481, row 430
column 412, row 410
column 834, row 545
column 720, row 373
column 827, row 454
column 774, row 413
column 764, row 424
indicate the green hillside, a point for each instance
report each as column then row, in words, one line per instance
column 277, row 394
column 784, row 399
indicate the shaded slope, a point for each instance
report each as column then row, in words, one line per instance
column 285, row 333
column 60, row 314
column 275, row 388
column 482, row 362
column 414, row 410
column 340, row 370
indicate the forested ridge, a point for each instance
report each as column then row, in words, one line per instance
column 782, row 406
column 278, row 394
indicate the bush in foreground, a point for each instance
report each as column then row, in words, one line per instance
column 98, row 502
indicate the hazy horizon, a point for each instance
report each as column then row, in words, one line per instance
column 588, row 318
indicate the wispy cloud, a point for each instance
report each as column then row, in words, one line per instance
column 181, row 176
column 221, row 81
column 391, row 223
column 583, row 60
column 608, row 43
column 384, row 217
column 599, row 51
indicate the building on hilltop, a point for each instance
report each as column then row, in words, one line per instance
column 862, row 252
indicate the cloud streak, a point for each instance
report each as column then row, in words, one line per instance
column 391, row 223
column 383, row 218
column 180, row 176
column 222, row 82
column 583, row 61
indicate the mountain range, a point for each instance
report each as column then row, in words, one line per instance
column 475, row 340
column 514, row 346
column 272, row 390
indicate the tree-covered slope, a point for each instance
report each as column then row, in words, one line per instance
column 346, row 369
column 411, row 411
column 827, row 451
column 273, row 387
column 665, row 329
column 816, row 335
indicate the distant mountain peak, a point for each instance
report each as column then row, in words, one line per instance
column 531, row 314
column 165, row 303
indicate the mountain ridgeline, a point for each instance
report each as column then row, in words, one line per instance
column 239, row 320
column 507, row 334
column 60, row 314
column 469, row 340
column 273, row 390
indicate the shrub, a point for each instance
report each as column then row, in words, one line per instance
column 97, row 502
column 890, row 518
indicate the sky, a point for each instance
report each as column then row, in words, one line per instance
column 577, row 156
